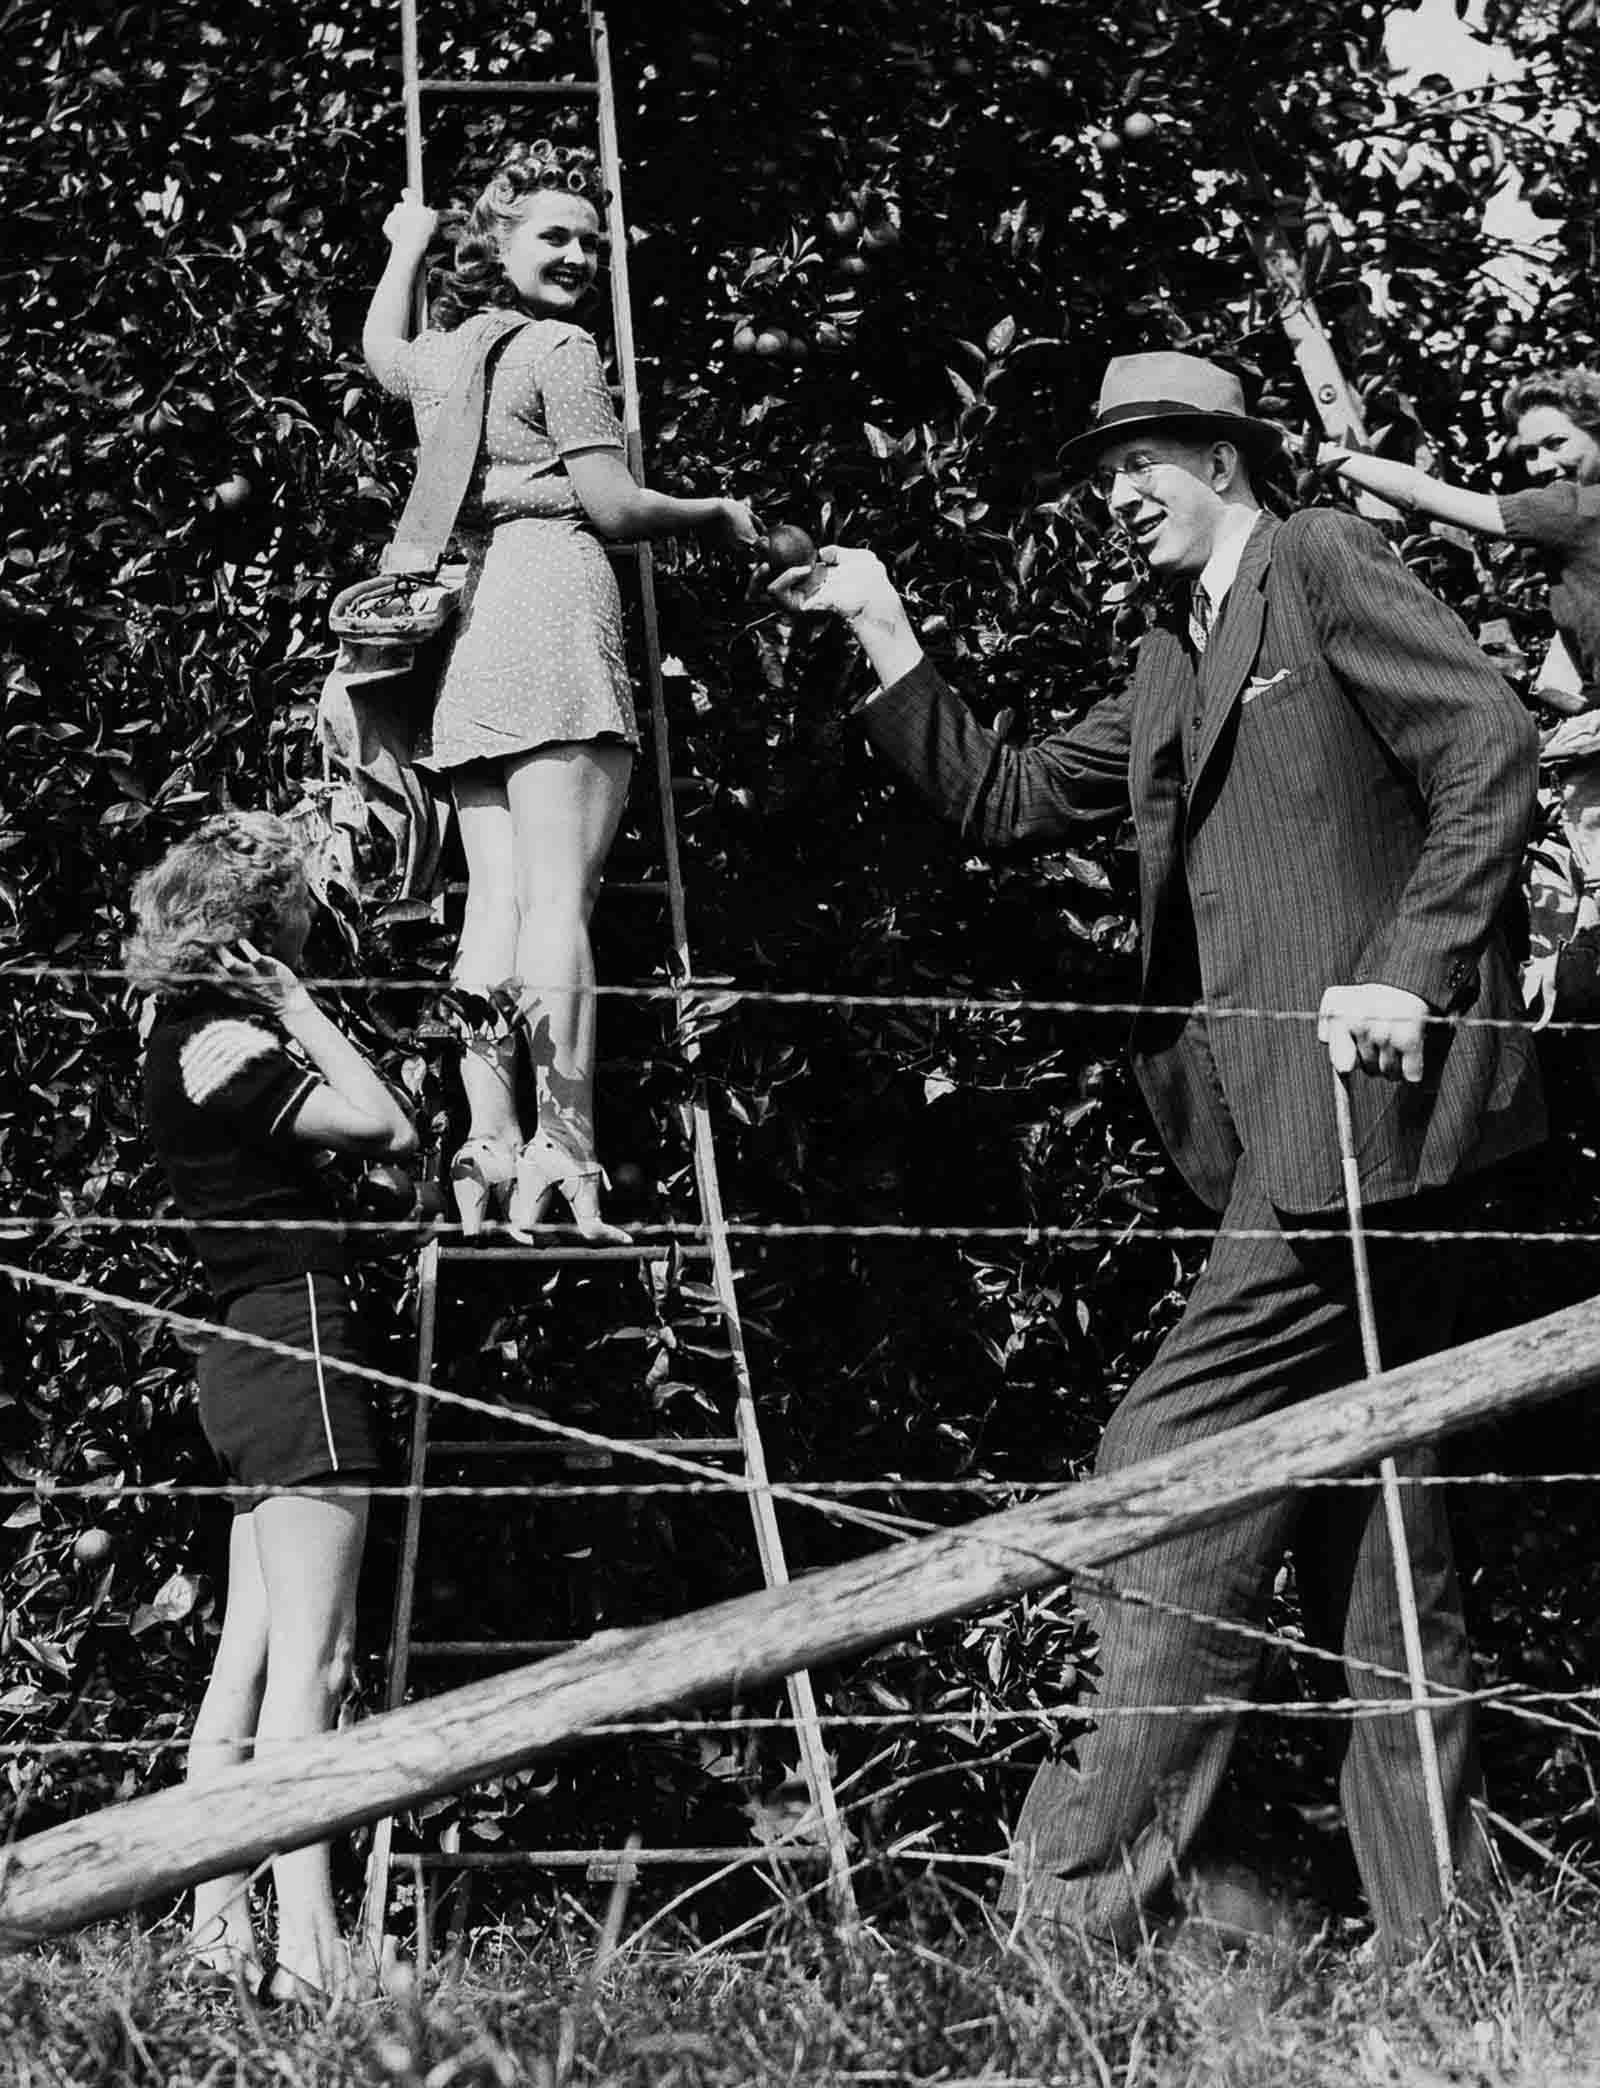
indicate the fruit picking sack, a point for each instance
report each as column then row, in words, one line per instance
column 374, row 703
column 394, row 632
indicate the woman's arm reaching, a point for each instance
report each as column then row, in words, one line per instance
column 619, row 508
column 1405, row 487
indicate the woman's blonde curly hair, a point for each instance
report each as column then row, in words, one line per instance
column 473, row 280
column 239, row 876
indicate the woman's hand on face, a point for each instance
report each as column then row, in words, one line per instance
column 265, row 982
column 843, row 583
column 738, row 525
column 410, row 225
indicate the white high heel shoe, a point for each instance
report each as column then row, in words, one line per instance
column 545, row 1166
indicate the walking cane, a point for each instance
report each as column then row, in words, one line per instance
column 1389, row 1478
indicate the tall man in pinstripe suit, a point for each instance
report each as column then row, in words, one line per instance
column 1330, row 788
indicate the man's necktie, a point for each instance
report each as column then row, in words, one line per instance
column 1201, row 617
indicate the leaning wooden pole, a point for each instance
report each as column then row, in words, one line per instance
column 1338, row 408
column 1332, row 393
column 306, row 1790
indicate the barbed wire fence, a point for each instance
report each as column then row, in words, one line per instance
column 1573, row 1713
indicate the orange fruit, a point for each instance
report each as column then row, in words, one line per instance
column 785, row 546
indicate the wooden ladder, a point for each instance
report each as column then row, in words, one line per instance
column 741, row 1449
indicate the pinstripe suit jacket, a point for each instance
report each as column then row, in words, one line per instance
column 1341, row 794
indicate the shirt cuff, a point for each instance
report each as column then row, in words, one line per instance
column 292, row 1101
column 913, row 684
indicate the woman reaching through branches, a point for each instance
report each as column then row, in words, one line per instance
column 1554, row 422
column 246, row 1081
column 534, row 720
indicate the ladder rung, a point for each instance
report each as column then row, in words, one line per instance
column 607, row 1862
column 484, row 1446
column 656, row 1251
column 510, row 90
column 519, row 1649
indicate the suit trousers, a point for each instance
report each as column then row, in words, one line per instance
column 1271, row 1320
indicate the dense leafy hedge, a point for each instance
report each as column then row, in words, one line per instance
column 879, row 253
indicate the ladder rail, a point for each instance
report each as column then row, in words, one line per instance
column 410, row 72
column 763, row 1509
column 617, row 233
column 405, row 1591
column 380, row 1857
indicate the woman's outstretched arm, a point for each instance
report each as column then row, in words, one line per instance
column 619, row 508
column 1404, row 486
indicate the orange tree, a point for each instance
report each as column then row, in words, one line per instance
column 880, row 252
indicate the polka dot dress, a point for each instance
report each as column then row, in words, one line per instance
column 538, row 654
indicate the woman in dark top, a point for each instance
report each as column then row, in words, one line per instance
column 1554, row 419
column 245, row 1082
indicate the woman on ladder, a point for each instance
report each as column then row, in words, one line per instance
column 534, row 719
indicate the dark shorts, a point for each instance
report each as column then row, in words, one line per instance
column 289, row 1420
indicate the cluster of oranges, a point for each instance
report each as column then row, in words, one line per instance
column 1136, row 127
column 861, row 230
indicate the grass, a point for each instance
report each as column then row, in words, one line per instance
column 1512, row 2000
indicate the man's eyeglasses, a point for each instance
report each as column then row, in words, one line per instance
column 1138, row 470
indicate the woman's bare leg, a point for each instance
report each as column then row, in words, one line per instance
column 308, row 1547
column 486, row 955
column 566, row 805
column 222, row 1738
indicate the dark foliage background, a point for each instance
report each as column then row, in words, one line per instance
column 880, row 253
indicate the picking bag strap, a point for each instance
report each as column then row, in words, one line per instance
column 447, row 457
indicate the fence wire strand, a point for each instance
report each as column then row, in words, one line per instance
column 717, row 994
column 692, row 1233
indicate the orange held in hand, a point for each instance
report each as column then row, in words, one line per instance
column 783, row 548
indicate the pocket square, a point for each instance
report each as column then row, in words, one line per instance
column 1260, row 684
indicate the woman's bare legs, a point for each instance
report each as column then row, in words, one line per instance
column 308, row 1550
column 223, row 1737
column 486, row 955
column 566, row 803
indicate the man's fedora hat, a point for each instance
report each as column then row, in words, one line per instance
column 1165, row 389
